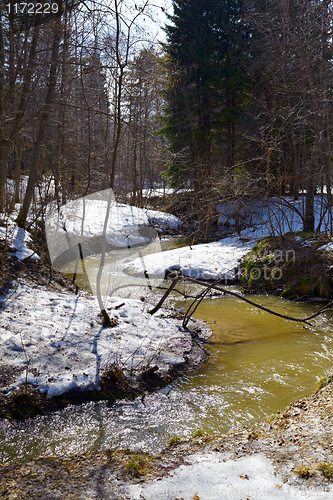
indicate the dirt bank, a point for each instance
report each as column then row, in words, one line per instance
column 293, row 266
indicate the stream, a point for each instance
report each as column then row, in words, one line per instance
column 257, row 365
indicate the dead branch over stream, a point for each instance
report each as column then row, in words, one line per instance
column 215, row 286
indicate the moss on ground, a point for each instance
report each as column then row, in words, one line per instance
column 290, row 266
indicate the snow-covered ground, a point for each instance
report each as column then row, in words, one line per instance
column 17, row 241
column 207, row 261
column 212, row 476
column 159, row 192
column 56, row 334
column 85, row 218
column 57, row 338
column 163, row 219
column 45, row 188
column 278, row 216
column 93, row 219
column 328, row 247
column 219, row 259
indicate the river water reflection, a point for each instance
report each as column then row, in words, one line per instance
column 257, row 365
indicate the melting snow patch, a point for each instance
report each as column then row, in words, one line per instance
column 17, row 238
column 163, row 219
column 206, row 261
column 209, row 476
column 328, row 247
column 66, row 348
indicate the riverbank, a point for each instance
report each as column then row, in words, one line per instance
column 293, row 266
column 53, row 341
column 55, row 350
column 289, row 457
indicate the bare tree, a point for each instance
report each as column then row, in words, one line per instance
column 46, row 111
column 290, row 103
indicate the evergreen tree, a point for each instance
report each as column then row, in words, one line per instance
column 206, row 87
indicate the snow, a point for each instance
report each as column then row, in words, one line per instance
column 159, row 192
column 56, row 338
column 163, row 219
column 45, row 188
column 82, row 220
column 18, row 239
column 328, row 247
column 206, row 261
column 212, row 476
column 278, row 216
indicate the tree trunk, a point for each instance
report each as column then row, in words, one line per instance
column 5, row 148
column 309, row 220
column 18, row 160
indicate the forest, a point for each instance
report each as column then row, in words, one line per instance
column 233, row 104
column 167, row 158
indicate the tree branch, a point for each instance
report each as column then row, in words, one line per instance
column 214, row 286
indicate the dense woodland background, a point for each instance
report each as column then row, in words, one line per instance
column 235, row 104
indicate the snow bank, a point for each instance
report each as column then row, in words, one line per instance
column 83, row 221
column 159, row 192
column 206, row 261
column 211, row 476
column 163, row 219
column 84, row 218
column 56, row 339
column 328, row 247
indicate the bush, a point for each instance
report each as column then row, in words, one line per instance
column 136, row 465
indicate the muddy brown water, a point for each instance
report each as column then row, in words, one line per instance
column 257, row 365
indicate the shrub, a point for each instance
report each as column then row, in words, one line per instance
column 304, row 471
column 327, row 469
column 136, row 465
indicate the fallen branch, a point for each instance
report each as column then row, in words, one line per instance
column 214, row 286
column 167, row 293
